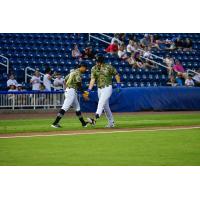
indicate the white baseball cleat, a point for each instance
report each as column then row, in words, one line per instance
column 110, row 125
column 91, row 121
column 56, row 126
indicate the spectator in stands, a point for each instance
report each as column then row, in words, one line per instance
column 196, row 78
column 131, row 47
column 11, row 97
column 47, row 79
column 135, row 60
column 170, row 63
column 112, row 48
column 178, row 68
column 12, row 88
column 179, row 73
column 121, row 37
column 20, row 88
column 145, row 41
column 147, row 55
column 11, row 81
column 178, row 43
column 88, row 53
column 122, row 52
column 58, row 82
column 36, row 81
column 155, row 41
column 116, row 38
column 187, row 44
column 189, row 82
column 76, row 52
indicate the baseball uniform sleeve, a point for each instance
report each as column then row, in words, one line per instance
column 113, row 71
column 93, row 73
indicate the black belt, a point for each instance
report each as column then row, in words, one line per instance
column 104, row 86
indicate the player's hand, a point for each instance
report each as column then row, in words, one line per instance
column 118, row 87
column 86, row 95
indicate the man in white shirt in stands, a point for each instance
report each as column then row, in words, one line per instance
column 130, row 47
column 58, row 82
column 11, row 81
column 47, row 79
column 36, row 81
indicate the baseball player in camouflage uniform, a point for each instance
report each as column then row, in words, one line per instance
column 102, row 73
column 73, row 83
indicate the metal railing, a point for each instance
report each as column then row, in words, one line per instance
column 5, row 64
column 31, row 99
column 189, row 71
column 141, row 50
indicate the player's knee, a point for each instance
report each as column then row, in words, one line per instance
column 61, row 113
column 78, row 113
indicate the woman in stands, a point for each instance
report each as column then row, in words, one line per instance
column 76, row 52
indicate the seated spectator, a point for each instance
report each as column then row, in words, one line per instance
column 58, row 82
column 12, row 88
column 145, row 41
column 36, row 80
column 20, row 87
column 11, row 81
column 122, row 53
column 179, row 72
column 187, row 45
column 88, row 53
column 178, row 43
column 76, row 52
column 11, row 97
column 178, row 67
column 196, row 78
column 112, row 48
column 189, row 82
column 135, row 60
column 131, row 47
column 116, row 38
column 155, row 41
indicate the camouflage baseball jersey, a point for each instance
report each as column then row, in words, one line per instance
column 73, row 79
column 103, row 75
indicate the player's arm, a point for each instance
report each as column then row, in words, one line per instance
column 93, row 79
column 91, row 85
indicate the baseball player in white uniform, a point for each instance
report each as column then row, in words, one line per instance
column 102, row 73
column 73, row 83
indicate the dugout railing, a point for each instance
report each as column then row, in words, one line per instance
column 31, row 99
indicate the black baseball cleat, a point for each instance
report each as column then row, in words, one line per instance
column 56, row 126
column 85, row 124
column 91, row 121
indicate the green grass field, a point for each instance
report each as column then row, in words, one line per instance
column 163, row 148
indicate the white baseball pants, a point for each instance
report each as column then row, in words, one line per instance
column 71, row 99
column 104, row 95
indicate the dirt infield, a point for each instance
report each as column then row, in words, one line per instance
column 94, row 131
column 34, row 115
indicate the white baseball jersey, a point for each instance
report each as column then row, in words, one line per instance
column 47, row 82
column 12, row 82
column 189, row 82
column 35, row 81
column 58, row 83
